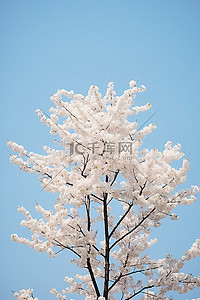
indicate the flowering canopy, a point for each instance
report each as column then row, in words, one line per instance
column 100, row 171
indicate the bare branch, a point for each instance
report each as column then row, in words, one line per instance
column 115, row 177
column 93, row 278
column 125, row 235
column 120, row 220
column 67, row 247
column 89, row 266
column 135, row 294
column 128, row 274
column 95, row 196
column 85, row 165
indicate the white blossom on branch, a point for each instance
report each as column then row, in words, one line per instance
column 111, row 192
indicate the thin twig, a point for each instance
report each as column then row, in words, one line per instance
column 125, row 235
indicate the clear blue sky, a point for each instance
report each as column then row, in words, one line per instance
column 47, row 45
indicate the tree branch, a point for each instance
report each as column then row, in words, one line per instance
column 87, row 205
column 121, row 238
column 85, row 165
column 130, row 273
column 142, row 188
column 107, row 250
column 120, row 220
column 144, row 288
column 67, row 247
column 95, row 196
column 93, row 278
column 115, row 177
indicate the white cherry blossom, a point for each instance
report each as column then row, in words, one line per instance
column 102, row 169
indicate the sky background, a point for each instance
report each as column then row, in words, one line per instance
column 50, row 45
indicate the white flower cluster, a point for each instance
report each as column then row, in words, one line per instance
column 194, row 251
column 25, row 295
column 102, row 166
column 58, row 295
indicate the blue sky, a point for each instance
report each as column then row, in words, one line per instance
column 49, row 45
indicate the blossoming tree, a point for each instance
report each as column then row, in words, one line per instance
column 100, row 171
